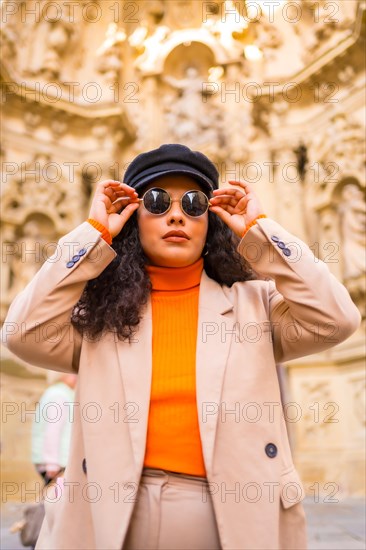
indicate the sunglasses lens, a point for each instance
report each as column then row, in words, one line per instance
column 194, row 203
column 156, row 201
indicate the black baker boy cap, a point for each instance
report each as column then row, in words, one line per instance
column 171, row 158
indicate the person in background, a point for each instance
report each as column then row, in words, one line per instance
column 51, row 428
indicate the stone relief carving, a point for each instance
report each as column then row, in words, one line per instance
column 228, row 27
column 347, row 142
column 59, row 126
column 335, row 153
column 143, row 129
column 359, row 402
column 52, row 44
column 315, row 395
column 238, row 126
column 188, row 116
column 25, row 248
column 8, row 37
column 278, row 113
column 41, row 185
column 39, row 189
column 28, row 257
column 352, row 209
column 191, row 90
column 32, row 118
column 110, row 65
column 346, row 75
column 268, row 38
column 110, row 54
column 58, row 38
column 7, row 246
column 342, row 235
column 287, row 178
column 182, row 13
column 326, row 20
column 327, row 244
column 44, row 38
column 149, row 36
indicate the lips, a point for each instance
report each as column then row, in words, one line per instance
column 176, row 234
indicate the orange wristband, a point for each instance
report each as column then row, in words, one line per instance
column 104, row 231
column 252, row 223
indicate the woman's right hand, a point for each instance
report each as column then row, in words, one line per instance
column 105, row 210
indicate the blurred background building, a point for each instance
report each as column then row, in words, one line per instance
column 271, row 90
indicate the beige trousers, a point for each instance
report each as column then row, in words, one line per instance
column 171, row 514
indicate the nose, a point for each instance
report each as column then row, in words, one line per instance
column 175, row 213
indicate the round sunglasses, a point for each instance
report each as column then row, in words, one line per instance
column 158, row 201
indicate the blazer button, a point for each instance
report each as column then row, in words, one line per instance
column 286, row 251
column 70, row 264
column 84, row 466
column 82, row 252
column 271, row 450
column 281, row 245
column 75, row 258
column 275, row 238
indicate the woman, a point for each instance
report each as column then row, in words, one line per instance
column 174, row 301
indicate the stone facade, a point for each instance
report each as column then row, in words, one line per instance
column 273, row 92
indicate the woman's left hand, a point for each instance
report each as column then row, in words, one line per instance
column 237, row 208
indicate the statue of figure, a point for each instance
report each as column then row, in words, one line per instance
column 191, row 90
column 353, row 226
column 188, row 114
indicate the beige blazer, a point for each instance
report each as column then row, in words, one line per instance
column 300, row 308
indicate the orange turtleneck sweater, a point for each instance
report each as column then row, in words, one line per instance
column 173, row 438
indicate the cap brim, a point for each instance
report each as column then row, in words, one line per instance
column 195, row 174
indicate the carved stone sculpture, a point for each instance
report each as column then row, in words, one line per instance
column 188, row 116
column 353, row 223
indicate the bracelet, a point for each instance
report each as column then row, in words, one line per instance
column 252, row 223
column 104, row 231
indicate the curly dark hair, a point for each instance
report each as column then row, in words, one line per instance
column 113, row 301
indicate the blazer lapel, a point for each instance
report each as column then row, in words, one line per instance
column 214, row 334
column 135, row 360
